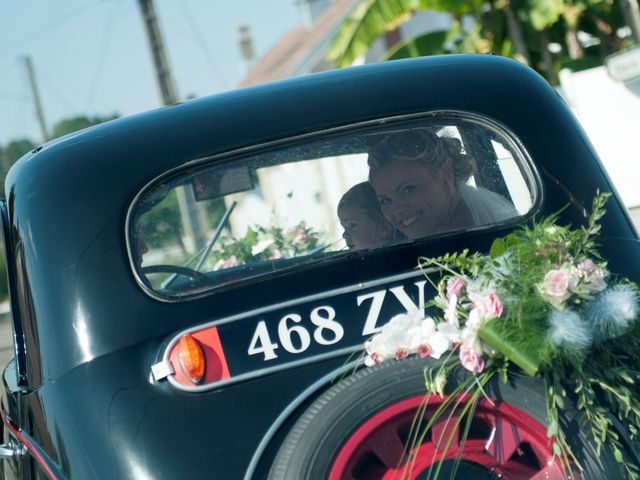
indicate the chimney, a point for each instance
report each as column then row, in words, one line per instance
column 312, row 10
column 245, row 43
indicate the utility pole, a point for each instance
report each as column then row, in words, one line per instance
column 186, row 199
column 158, row 54
column 36, row 98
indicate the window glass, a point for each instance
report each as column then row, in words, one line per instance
column 367, row 188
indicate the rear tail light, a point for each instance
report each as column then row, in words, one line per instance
column 191, row 358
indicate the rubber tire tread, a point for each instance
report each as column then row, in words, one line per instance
column 315, row 439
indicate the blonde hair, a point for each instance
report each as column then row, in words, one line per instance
column 424, row 146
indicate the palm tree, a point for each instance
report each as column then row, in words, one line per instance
column 522, row 29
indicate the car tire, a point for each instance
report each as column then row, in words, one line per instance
column 331, row 438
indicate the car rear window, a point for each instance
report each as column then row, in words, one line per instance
column 230, row 218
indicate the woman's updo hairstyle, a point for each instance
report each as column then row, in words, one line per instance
column 421, row 145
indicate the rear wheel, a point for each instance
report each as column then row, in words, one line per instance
column 361, row 429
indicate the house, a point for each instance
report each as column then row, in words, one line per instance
column 303, row 49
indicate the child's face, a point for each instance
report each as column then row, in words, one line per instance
column 362, row 231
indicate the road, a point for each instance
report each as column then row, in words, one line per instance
column 6, row 342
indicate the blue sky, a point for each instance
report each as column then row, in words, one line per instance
column 91, row 56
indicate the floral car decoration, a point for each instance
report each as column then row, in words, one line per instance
column 542, row 302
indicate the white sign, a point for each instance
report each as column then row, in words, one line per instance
column 625, row 65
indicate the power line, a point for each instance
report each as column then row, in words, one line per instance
column 204, row 48
column 39, row 33
column 62, row 100
column 107, row 35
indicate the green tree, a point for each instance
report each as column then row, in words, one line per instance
column 10, row 155
column 522, row 29
column 70, row 125
column 16, row 149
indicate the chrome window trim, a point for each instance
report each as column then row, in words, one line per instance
column 528, row 171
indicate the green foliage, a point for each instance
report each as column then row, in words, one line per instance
column 160, row 227
column 455, row 7
column 552, row 299
column 264, row 243
column 70, row 125
column 367, row 22
column 521, row 29
column 16, row 149
column 8, row 156
column 428, row 44
column 579, row 64
column 544, row 13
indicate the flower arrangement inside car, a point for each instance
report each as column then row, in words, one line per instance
column 544, row 303
column 264, row 243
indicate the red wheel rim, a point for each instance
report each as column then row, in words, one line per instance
column 502, row 440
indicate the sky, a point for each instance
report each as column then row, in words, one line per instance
column 91, row 57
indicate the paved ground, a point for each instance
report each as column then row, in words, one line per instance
column 6, row 344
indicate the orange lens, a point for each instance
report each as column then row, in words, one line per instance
column 191, row 358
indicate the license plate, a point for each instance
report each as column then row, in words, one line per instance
column 298, row 332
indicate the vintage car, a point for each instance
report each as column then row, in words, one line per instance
column 186, row 301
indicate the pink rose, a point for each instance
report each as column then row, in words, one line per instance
column 230, row 262
column 594, row 281
column 470, row 359
column 586, row 266
column 555, row 287
column 485, row 308
column 591, row 275
column 454, row 287
column 492, row 305
column 300, row 236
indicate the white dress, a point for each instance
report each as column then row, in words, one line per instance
column 486, row 207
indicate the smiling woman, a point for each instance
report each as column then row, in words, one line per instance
column 421, row 181
column 278, row 206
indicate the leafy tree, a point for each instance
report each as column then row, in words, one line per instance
column 10, row 154
column 16, row 149
column 70, row 125
column 522, row 29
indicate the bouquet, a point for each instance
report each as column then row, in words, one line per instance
column 544, row 302
column 265, row 243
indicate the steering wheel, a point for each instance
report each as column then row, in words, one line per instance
column 175, row 269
